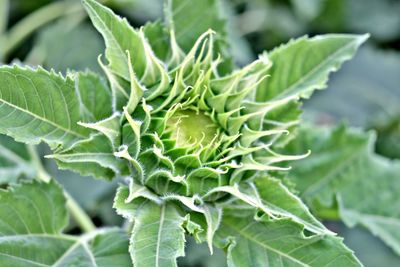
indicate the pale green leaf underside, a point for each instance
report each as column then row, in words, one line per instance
column 343, row 166
column 32, row 216
column 278, row 243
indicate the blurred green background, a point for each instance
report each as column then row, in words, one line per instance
column 365, row 92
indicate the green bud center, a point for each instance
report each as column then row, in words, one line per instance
column 190, row 127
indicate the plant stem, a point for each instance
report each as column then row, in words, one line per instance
column 4, row 5
column 42, row 174
column 35, row 20
column 79, row 215
column 128, row 225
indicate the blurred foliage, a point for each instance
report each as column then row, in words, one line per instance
column 270, row 22
column 367, row 94
column 369, row 249
column 81, row 46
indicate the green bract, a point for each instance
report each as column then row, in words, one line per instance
column 194, row 137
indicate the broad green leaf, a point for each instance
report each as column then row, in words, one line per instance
column 119, row 37
column 23, row 202
column 303, row 65
column 36, row 105
column 158, row 236
column 343, row 167
column 33, row 216
column 274, row 199
column 259, row 242
column 273, row 193
column 15, row 160
column 299, row 68
column 93, row 156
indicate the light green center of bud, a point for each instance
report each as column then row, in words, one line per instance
column 192, row 128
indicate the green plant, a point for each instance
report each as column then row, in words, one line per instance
column 200, row 145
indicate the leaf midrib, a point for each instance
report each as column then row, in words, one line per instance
column 162, row 215
column 43, row 119
column 265, row 246
column 311, row 72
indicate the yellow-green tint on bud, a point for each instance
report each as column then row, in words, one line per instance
column 190, row 128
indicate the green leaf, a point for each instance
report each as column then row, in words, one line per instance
column 93, row 156
column 299, row 68
column 190, row 18
column 158, row 38
column 271, row 197
column 119, row 37
column 21, row 203
column 36, row 105
column 366, row 94
column 343, row 167
column 33, row 216
column 158, row 236
column 94, row 97
column 15, row 161
column 259, row 242
column 303, row 65
column 275, row 194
